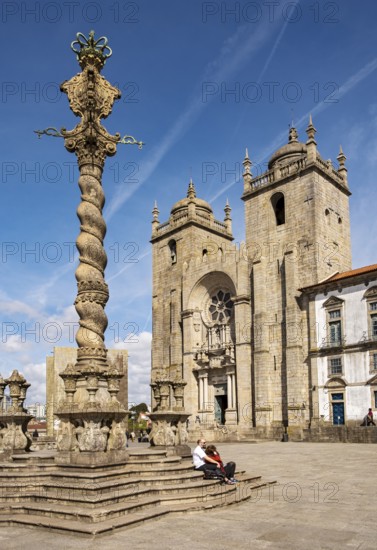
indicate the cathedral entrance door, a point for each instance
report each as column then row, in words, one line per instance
column 221, row 404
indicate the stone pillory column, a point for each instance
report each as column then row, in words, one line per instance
column 91, row 97
column 92, row 428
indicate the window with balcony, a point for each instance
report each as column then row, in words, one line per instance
column 371, row 300
column 373, row 326
column 334, row 307
column 335, row 333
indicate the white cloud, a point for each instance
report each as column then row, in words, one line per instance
column 35, row 373
column 16, row 307
column 15, row 343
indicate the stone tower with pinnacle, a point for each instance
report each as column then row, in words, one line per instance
column 297, row 234
column 200, row 297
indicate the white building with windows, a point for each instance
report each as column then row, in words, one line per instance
column 38, row 410
column 343, row 347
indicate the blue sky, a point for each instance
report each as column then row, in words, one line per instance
column 200, row 82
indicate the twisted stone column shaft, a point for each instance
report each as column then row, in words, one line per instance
column 92, row 290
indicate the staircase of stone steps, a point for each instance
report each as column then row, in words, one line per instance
column 96, row 500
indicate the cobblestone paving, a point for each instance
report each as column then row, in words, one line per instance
column 324, row 499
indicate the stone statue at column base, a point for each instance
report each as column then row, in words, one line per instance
column 14, row 437
column 13, row 421
column 92, row 437
column 169, row 431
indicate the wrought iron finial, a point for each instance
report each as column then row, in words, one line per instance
column 50, row 131
column 91, row 97
column 91, row 51
column 130, row 140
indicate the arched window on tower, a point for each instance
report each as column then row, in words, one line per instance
column 173, row 251
column 278, row 205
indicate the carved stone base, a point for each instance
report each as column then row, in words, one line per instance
column 91, row 434
column 14, row 438
column 168, row 428
column 87, row 459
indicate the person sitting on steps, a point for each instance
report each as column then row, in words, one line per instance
column 207, row 464
column 229, row 468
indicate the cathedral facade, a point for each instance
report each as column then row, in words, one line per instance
column 233, row 321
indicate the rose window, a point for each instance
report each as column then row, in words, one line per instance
column 221, row 306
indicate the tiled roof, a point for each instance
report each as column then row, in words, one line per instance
column 36, row 425
column 345, row 275
column 353, row 272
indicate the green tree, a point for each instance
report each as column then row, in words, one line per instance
column 141, row 408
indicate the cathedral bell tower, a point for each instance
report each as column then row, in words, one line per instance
column 297, row 234
column 200, row 292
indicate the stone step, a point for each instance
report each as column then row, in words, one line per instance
column 83, row 481
column 94, row 495
column 149, row 510
column 140, row 460
column 154, row 460
column 128, row 471
column 34, row 456
column 117, row 484
column 115, row 509
column 24, row 463
column 101, row 480
column 88, row 529
column 81, row 514
column 94, row 499
column 226, row 494
column 32, row 474
column 57, row 484
column 147, row 451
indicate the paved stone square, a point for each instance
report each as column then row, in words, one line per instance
column 324, row 499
